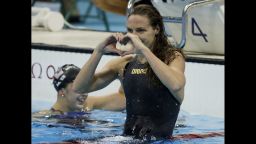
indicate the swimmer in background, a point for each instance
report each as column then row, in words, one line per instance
column 69, row 103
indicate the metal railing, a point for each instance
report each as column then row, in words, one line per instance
column 184, row 19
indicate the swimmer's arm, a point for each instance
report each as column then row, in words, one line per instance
column 113, row 102
column 41, row 114
column 87, row 81
column 172, row 75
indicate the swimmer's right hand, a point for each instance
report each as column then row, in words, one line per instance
column 109, row 44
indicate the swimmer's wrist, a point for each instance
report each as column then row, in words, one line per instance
column 144, row 50
column 99, row 50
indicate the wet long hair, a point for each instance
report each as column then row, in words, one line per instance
column 162, row 47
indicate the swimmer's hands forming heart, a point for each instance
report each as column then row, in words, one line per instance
column 122, row 44
column 110, row 43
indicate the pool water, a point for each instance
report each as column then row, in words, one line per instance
column 101, row 126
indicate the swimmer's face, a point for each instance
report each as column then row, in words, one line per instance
column 76, row 101
column 140, row 26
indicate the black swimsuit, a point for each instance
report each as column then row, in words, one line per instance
column 151, row 110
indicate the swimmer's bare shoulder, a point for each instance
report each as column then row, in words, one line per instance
column 44, row 113
column 40, row 114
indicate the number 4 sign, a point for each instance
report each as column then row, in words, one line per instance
column 194, row 24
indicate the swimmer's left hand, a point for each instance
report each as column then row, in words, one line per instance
column 138, row 45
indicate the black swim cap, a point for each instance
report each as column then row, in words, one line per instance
column 64, row 75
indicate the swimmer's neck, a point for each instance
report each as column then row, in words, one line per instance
column 60, row 108
column 141, row 59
